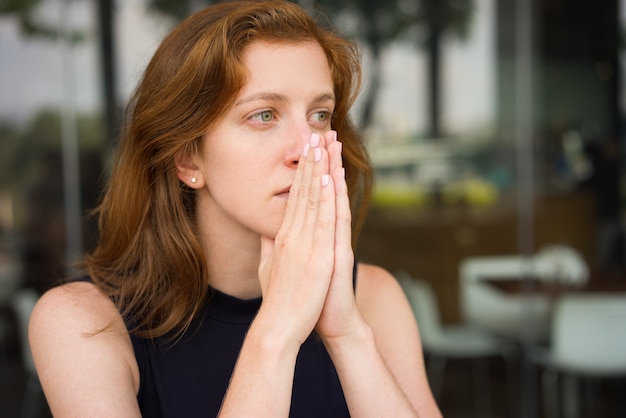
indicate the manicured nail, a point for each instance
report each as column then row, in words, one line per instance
column 318, row 154
column 334, row 135
column 306, row 149
column 343, row 173
column 325, row 180
column 315, row 140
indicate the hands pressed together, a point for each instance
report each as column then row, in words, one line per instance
column 306, row 271
column 305, row 274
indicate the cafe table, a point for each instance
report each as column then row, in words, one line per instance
column 520, row 307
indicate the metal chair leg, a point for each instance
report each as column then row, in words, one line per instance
column 34, row 400
column 482, row 389
column 550, row 392
column 435, row 367
column 571, row 401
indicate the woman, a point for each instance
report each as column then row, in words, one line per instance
column 224, row 280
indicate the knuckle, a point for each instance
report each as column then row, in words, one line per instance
column 345, row 217
column 285, row 234
column 293, row 195
column 284, row 241
column 324, row 224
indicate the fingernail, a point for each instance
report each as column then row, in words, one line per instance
column 318, row 154
column 315, row 140
column 334, row 135
column 325, row 180
column 306, row 149
column 343, row 173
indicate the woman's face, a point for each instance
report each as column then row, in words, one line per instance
column 248, row 159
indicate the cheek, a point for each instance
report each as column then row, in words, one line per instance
column 244, row 164
column 234, row 179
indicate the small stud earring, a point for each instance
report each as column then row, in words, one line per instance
column 194, row 180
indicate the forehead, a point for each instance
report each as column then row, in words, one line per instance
column 286, row 64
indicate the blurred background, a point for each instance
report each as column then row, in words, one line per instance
column 496, row 129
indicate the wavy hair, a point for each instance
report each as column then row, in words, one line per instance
column 149, row 259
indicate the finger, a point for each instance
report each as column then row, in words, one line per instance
column 334, row 154
column 323, row 224
column 297, row 186
column 343, row 238
column 330, row 137
column 307, row 194
column 319, row 179
column 267, row 248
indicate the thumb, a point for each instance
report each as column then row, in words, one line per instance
column 267, row 247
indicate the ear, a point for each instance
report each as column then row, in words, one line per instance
column 188, row 170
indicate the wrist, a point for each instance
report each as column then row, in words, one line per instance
column 270, row 336
column 262, row 380
column 360, row 337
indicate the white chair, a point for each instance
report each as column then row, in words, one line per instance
column 588, row 341
column 561, row 264
column 518, row 316
column 443, row 342
column 513, row 316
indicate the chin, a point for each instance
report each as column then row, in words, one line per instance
column 270, row 227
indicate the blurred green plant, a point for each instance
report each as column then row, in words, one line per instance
column 377, row 23
column 31, row 25
column 22, row 147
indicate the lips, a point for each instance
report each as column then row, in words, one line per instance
column 284, row 193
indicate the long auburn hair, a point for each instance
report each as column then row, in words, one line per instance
column 149, row 259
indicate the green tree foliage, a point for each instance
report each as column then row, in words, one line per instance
column 26, row 13
column 21, row 148
column 377, row 24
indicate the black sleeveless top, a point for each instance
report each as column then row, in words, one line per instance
column 190, row 378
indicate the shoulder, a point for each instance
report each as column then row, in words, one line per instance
column 81, row 306
column 80, row 344
column 385, row 307
column 382, row 301
column 74, row 315
column 376, row 286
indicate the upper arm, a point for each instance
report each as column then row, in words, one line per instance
column 83, row 354
column 385, row 308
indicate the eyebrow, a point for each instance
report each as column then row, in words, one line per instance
column 282, row 98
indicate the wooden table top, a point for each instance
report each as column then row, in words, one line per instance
column 597, row 283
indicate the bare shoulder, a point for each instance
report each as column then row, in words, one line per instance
column 386, row 309
column 76, row 309
column 81, row 304
column 81, row 349
column 376, row 287
column 382, row 301
column 76, row 313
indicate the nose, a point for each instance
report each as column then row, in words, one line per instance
column 297, row 137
